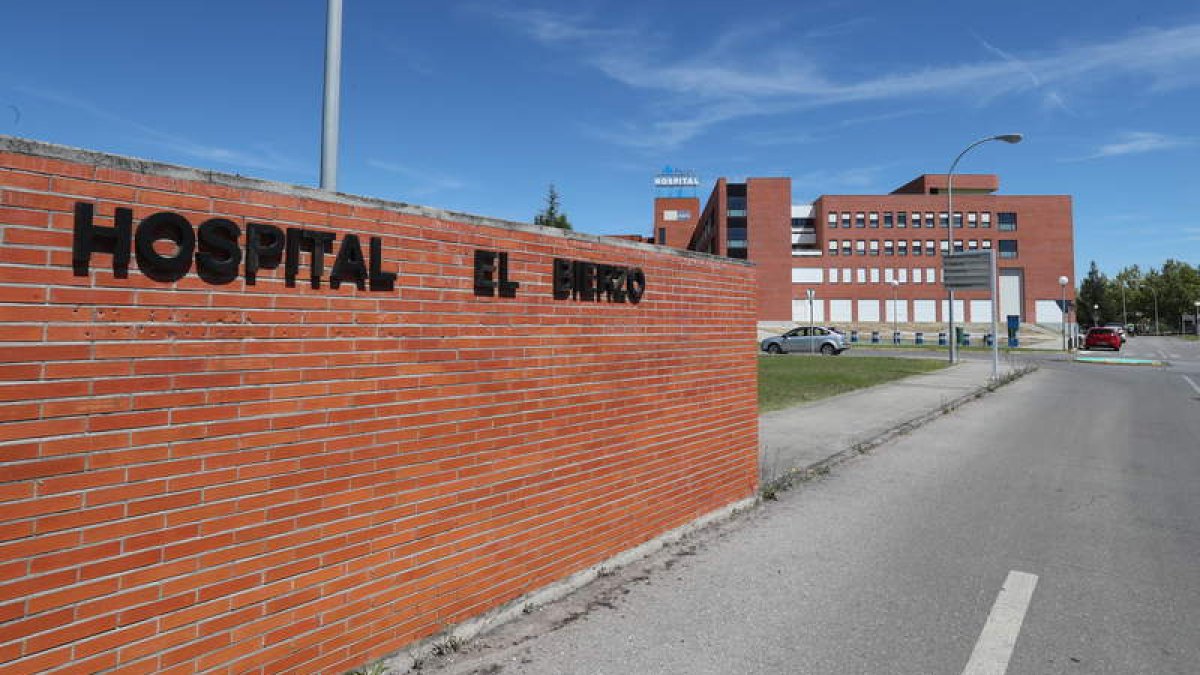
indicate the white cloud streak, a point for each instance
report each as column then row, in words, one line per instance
column 1139, row 142
column 723, row 84
column 422, row 183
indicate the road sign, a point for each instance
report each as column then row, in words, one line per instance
column 968, row 271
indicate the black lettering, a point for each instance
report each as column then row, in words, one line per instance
column 264, row 249
column 91, row 238
column 172, row 227
column 508, row 289
column 635, row 284
column 585, row 281
column 218, row 254
column 485, row 270
column 563, row 278
column 318, row 244
column 349, row 264
column 616, row 284
column 291, row 259
column 380, row 280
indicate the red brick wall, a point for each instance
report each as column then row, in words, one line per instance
column 227, row 478
column 679, row 232
column 769, row 226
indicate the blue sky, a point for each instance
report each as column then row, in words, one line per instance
column 477, row 106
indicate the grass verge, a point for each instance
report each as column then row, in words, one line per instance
column 785, row 381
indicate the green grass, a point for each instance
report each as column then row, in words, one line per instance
column 785, row 381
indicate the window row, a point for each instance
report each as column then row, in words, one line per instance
column 875, row 275
column 1006, row 221
column 1007, row 248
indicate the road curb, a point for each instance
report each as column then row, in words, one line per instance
column 796, row 475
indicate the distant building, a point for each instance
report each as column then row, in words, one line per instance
column 850, row 248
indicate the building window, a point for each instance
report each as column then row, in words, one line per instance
column 831, row 220
column 916, row 247
column 901, row 217
column 889, row 275
column 958, row 245
column 902, row 247
column 972, row 219
column 944, row 246
column 930, row 275
column 860, row 247
column 860, row 220
column 985, row 219
column 874, row 247
column 973, row 245
column 943, row 220
column 833, row 275
column 874, row 219
column 930, row 247
column 987, row 244
column 903, row 275
column 887, row 220
column 929, row 219
column 845, row 275
column 833, row 247
column 861, row 275
column 874, row 275
column 736, row 207
column 917, row 275
column 846, row 244
column 1006, row 221
column 845, row 220
column 889, row 247
column 958, row 220
column 1007, row 248
column 916, row 220
column 662, row 236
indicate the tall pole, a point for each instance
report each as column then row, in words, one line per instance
column 895, row 317
column 333, row 87
column 1155, row 294
column 1124, row 314
column 1062, row 282
column 812, row 338
column 1007, row 138
column 1196, row 321
column 995, row 313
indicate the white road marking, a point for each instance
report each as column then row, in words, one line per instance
column 995, row 645
column 1194, row 385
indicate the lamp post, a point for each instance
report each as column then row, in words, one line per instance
column 332, row 98
column 812, row 338
column 1124, row 314
column 895, row 317
column 1062, row 282
column 1007, row 138
column 1155, row 294
column 1196, row 321
column 1095, row 315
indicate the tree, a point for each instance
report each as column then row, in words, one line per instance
column 1091, row 292
column 552, row 216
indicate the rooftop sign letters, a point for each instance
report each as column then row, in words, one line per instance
column 220, row 250
column 674, row 178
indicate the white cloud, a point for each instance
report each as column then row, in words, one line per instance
column 261, row 156
column 422, row 183
column 784, row 79
column 1137, row 142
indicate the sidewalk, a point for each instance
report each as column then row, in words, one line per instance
column 806, row 437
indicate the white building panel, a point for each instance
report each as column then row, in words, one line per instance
column 925, row 311
column 958, row 310
column 868, row 311
column 839, row 310
column 874, row 275
column 1010, row 295
column 800, row 311
column 861, row 275
column 981, row 311
column 1048, row 311
column 807, row 275
column 896, row 311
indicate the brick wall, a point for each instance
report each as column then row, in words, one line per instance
column 234, row 477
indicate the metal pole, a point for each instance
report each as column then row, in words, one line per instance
column 1124, row 314
column 1007, row 138
column 1064, row 316
column 895, row 318
column 333, row 86
column 950, row 249
column 812, row 338
column 995, row 323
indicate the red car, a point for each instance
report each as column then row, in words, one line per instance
column 1102, row 337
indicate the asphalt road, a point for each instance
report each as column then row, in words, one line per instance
column 1075, row 489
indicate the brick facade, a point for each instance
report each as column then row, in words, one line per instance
column 234, row 477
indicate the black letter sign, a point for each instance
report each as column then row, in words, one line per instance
column 172, row 227
column 90, row 238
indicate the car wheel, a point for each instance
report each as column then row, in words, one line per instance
column 774, row 349
column 828, row 349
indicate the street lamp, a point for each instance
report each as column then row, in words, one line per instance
column 1007, row 138
column 1095, row 315
column 1196, row 322
column 1155, row 293
column 895, row 329
column 1062, row 282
